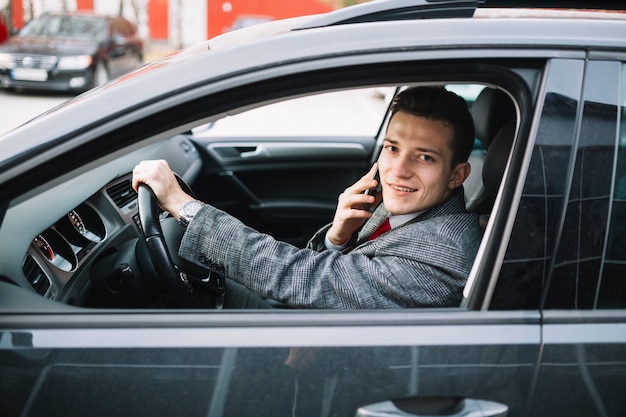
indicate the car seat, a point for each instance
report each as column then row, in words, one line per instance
column 491, row 110
column 495, row 162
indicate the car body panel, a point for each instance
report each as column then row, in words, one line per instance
column 582, row 353
column 221, row 361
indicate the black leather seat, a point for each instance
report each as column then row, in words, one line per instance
column 496, row 160
column 491, row 110
column 493, row 168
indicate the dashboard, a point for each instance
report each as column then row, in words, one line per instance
column 82, row 235
column 59, row 260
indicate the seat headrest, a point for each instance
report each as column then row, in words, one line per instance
column 497, row 157
column 491, row 110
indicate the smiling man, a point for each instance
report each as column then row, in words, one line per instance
column 425, row 240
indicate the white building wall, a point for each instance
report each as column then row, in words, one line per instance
column 188, row 22
column 106, row 6
column 40, row 7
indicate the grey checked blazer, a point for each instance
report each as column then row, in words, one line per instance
column 423, row 263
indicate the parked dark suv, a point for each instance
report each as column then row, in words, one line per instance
column 270, row 123
column 69, row 52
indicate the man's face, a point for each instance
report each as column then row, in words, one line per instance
column 415, row 164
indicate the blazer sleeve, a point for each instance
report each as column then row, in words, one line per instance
column 316, row 243
column 380, row 274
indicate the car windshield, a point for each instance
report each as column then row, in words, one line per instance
column 83, row 27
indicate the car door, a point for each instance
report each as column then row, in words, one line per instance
column 583, row 360
column 291, row 362
column 281, row 167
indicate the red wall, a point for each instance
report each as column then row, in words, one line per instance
column 220, row 16
column 17, row 14
column 158, row 19
column 84, row 4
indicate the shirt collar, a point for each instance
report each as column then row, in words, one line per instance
column 400, row 219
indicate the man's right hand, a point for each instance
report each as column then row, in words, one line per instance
column 352, row 209
column 158, row 175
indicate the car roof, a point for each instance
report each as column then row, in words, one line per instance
column 220, row 57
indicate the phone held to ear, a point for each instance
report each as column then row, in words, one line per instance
column 373, row 191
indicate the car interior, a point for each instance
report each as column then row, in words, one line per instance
column 95, row 256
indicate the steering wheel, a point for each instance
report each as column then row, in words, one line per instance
column 172, row 275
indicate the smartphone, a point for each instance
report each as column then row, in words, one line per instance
column 375, row 190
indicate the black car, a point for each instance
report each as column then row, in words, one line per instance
column 88, row 326
column 69, row 52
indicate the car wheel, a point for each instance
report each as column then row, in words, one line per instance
column 100, row 74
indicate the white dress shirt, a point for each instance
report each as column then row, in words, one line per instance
column 394, row 221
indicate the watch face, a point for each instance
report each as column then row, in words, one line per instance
column 191, row 208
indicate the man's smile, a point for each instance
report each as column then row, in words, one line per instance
column 402, row 188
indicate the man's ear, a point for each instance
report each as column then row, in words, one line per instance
column 459, row 174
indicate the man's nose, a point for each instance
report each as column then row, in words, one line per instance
column 402, row 167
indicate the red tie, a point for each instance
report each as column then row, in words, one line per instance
column 384, row 227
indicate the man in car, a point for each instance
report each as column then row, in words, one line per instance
column 423, row 260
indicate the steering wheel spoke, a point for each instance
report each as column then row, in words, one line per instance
column 175, row 273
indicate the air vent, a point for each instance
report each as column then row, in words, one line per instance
column 122, row 193
column 36, row 277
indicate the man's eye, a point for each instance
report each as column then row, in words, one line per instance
column 391, row 148
column 426, row 158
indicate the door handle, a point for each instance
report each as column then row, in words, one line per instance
column 434, row 406
column 251, row 151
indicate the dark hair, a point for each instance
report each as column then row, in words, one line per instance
column 437, row 103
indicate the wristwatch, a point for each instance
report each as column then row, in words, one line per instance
column 188, row 211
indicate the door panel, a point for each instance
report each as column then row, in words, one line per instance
column 280, row 168
column 302, row 361
column 583, row 364
column 287, row 189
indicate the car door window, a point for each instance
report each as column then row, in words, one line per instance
column 529, row 253
column 584, row 264
column 123, row 27
column 568, row 232
column 611, row 291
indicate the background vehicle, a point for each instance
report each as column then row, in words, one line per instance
column 88, row 323
column 69, row 52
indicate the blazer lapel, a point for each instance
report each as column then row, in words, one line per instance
column 455, row 204
column 379, row 215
